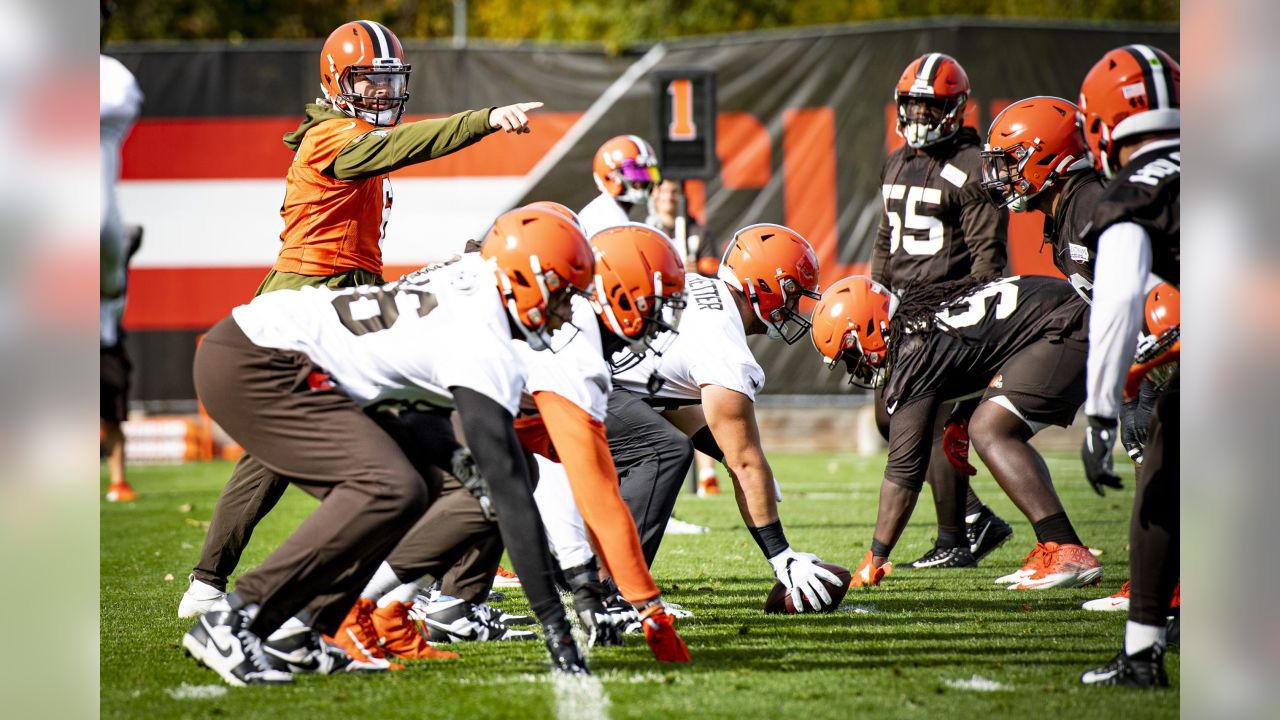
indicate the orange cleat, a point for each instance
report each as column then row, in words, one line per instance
column 866, row 575
column 1068, row 566
column 1120, row 600
column 358, row 637
column 398, row 635
column 708, row 485
column 504, row 578
column 121, row 492
column 660, row 633
column 1030, row 566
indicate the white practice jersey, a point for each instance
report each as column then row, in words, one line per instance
column 439, row 328
column 711, row 349
column 577, row 370
column 119, row 101
column 602, row 213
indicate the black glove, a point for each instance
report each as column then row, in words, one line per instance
column 464, row 468
column 1099, row 441
column 1135, row 416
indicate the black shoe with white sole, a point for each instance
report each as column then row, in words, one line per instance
column 450, row 620
column 943, row 558
column 1143, row 669
column 297, row 649
column 220, row 640
column 986, row 533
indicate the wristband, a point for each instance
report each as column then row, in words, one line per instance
column 770, row 538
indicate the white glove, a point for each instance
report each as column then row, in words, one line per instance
column 800, row 574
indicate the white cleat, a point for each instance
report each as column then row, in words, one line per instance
column 199, row 598
column 680, row 527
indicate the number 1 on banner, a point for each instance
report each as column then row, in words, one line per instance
column 681, row 127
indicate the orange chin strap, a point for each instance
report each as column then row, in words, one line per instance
column 594, row 480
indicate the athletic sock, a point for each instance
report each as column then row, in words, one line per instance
column 401, row 593
column 1139, row 637
column 384, row 580
column 951, row 540
column 972, row 505
column 1056, row 528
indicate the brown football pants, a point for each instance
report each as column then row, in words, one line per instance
column 322, row 442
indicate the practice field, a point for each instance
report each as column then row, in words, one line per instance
column 926, row 644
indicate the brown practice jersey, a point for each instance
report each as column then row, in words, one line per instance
column 937, row 223
column 983, row 330
column 1074, row 255
column 1147, row 192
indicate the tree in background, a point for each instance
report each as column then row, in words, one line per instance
column 614, row 23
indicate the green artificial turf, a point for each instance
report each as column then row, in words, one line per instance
column 926, row 644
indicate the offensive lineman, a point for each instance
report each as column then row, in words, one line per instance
column 703, row 388
column 285, row 376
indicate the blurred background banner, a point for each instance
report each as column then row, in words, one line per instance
column 806, row 118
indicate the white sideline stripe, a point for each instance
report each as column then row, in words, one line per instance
column 236, row 223
column 593, row 114
column 196, row 692
column 579, row 697
column 976, row 683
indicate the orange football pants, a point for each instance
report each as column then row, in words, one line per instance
column 567, row 434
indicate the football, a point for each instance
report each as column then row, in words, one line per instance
column 779, row 600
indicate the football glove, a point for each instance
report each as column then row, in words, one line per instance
column 801, row 575
column 955, row 443
column 464, row 468
column 1135, row 416
column 1099, row 442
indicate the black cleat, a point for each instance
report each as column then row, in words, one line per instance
column 297, row 649
column 986, row 533
column 943, row 558
column 1142, row 670
column 565, row 657
column 453, row 620
column 220, row 640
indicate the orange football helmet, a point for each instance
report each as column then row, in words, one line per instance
column 1160, row 344
column 851, row 323
column 931, row 96
column 639, row 289
column 365, row 50
column 775, row 267
column 1030, row 145
column 626, row 167
column 537, row 256
column 557, row 208
column 1132, row 90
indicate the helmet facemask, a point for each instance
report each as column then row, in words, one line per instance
column 390, row 78
column 925, row 120
column 783, row 322
column 535, row 323
column 637, row 181
column 661, row 319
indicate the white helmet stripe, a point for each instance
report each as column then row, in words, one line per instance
column 1155, row 68
column 926, row 68
column 644, row 152
column 382, row 47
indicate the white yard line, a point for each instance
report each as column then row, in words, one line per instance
column 579, row 697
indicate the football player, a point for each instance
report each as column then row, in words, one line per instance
column 625, row 168
column 638, row 278
column 938, row 226
column 700, row 392
column 1130, row 102
column 120, row 100
column 286, row 375
column 337, row 203
column 1023, row 339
